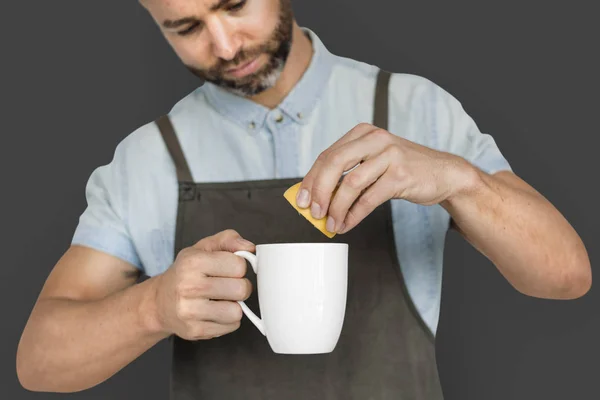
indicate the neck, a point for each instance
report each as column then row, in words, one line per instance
column 298, row 61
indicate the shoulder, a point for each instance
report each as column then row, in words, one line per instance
column 424, row 111
column 406, row 90
column 144, row 148
column 345, row 69
column 410, row 90
column 135, row 153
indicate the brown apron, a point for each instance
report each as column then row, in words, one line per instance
column 385, row 350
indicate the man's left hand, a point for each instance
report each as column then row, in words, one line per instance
column 390, row 168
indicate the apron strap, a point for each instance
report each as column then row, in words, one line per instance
column 380, row 112
column 168, row 133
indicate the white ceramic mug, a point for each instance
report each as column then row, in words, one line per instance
column 302, row 290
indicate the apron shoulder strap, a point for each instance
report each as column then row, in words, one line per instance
column 168, row 134
column 380, row 112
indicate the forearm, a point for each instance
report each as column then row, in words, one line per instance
column 523, row 234
column 71, row 345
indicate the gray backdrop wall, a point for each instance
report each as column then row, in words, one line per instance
column 78, row 76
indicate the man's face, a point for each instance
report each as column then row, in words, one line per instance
column 241, row 45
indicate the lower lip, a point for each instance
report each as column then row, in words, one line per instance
column 245, row 70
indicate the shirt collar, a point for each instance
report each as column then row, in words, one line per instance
column 297, row 105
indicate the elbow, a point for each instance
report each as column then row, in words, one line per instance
column 29, row 373
column 580, row 284
column 577, row 280
column 568, row 281
column 27, row 381
column 32, row 375
column 29, row 367
column 26, row 373
column 34, row 379
column 574, row 281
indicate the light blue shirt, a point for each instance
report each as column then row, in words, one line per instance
column 132, row 201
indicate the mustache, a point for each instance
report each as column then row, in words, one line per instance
column 276, row 49
column 242, row 57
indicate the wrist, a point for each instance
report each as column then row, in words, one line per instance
column 465, row 181
column 151, row 321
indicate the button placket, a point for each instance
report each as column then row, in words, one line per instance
column 272, row 129
column 282, row 133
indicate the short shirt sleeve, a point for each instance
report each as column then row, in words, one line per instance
column 458, row 134
column 103, row 224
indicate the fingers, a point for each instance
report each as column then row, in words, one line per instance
column 228, row 240
column 209, row 330
column 325, row 176
column 358, row 131
column 304, row 197
column 223, row 264
column 223, row 312
column 377, row 194
column 202, row 310
column 213, row 329
column 203, row 318
column 232, row 289
column 351, row 188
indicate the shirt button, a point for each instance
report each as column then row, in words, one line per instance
column 279, row 118
column 299, row 115
column 252, row 125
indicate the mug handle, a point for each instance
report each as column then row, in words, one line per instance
column 251, row 316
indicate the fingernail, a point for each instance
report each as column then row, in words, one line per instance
column 315, row 210
column 342, row 228
column 330, row 226
column 303, row 198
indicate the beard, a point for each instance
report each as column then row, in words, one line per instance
column 277, row 48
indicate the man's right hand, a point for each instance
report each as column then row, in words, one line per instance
column 196, row 298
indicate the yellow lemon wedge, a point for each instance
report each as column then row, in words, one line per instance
column 290, row 196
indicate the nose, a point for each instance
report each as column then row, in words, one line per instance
column 225, row 45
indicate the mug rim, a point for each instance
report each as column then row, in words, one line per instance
column 301, row 244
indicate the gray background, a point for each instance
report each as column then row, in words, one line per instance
column 79, row 76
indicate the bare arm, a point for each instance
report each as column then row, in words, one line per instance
column 528, row 240
column 87, row 324
column 90, row 320
column 502, row 216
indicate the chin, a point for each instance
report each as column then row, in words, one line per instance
column 266, row 81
